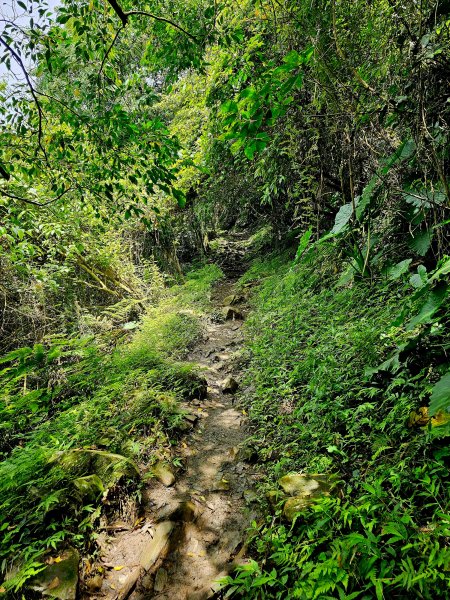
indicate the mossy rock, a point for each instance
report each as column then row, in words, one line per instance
column 232, row 314
column 306, row 486
column 274, row 497
column 108, row 467
column 163, row 473
column 60, row 578
column 304, row 489
column 229, row 385
column 233, row 299
column 294, row 506
column 88, row 487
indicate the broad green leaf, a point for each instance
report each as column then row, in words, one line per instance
column 440, row 396
column 420, row 278
column 292, row 58
column 433, row 301
column 303, row 243
column 250, row 150
column 229, row 107
column 399, row 269
column 366, row 197
column 407, row 149
column 342, row 218
column 420, row 242
column 443, row 270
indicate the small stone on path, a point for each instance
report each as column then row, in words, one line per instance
column 229, row 385
column 163, row 474
column 160, row 580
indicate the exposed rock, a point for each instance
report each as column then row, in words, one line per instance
column 128, row 583
column 88, row 487
column 294, row 506
column 232, row 300
column 191, row 418
column 160, row 580
column 108, row 467
column 250, row 496
column 306, row 485
column 244, row 452
column 163, row 474
column 156, row 544
column 229, row 385
column 232, row 314
column 94, row 583
column 186, row 512
column 304, row 489
column 209, row 591
column 222, row 485
column 60, row 578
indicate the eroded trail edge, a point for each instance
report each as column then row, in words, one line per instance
column 194, row 528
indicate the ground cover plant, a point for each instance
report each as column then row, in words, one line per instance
column 304, row 143
column 80, row 425
column 337, row 386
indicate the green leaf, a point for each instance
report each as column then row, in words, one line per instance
column 229, row 107
column 250, row 150
column 420, row 242
column 292, row 58
column 307, row 54
column 179, row 197
column 399, row 269
column 303, row 243
column 420, row 278
column 444, row 270
column 366, row 197
column 407, row 149
column 433, row 301
column 440, row 396
column 342, row 218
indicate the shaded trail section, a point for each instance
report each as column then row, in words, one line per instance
column 194, row 529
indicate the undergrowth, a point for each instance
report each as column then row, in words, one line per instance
column 79, row 425
column 336, row 383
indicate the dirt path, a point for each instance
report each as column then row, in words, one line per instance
column 194, row 529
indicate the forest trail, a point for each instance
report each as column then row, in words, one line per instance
column 194, row 530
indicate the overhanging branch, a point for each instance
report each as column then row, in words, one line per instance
column 33, row 93
column 125, row 15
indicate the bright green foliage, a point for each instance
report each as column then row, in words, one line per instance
column 315, row 409
column 139, row 133
column 65, row 400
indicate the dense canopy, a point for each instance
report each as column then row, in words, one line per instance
column 152, row 151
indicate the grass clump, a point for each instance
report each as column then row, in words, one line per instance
column 323, row 399
column 79, row 425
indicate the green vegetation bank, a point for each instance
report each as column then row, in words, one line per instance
column 137, row 137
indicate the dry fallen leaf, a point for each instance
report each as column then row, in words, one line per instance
column 53, row 584
column 119, row 568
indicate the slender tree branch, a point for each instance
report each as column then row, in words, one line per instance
column 118, row 32
column 33, row 202
column 33, row 93
column 124, row 16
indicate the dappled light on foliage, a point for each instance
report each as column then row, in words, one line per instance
column 154, row 154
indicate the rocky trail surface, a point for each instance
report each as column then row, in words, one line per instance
column 194, row 526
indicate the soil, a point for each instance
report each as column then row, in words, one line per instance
column 205, row 513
